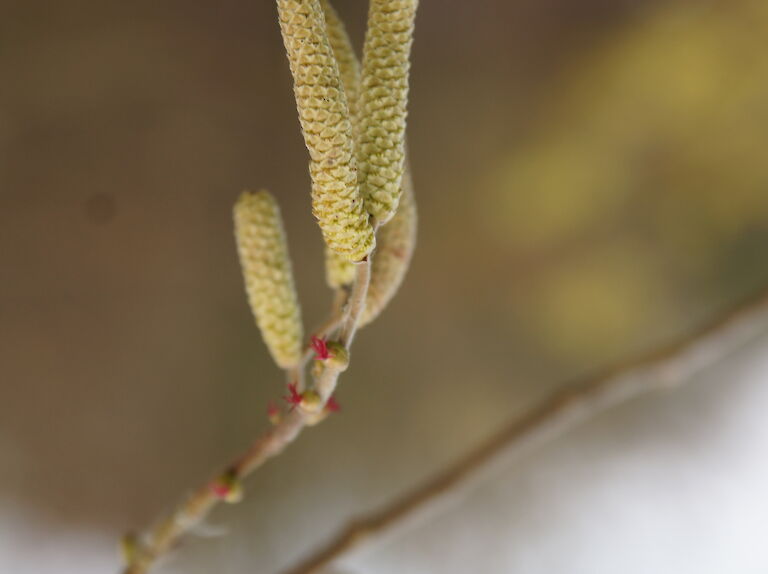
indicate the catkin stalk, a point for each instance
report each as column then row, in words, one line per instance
column 382, row 105
column 327, row 130
column 269, row 283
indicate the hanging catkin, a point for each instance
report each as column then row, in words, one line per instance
column 268, row 277
column 382, row 104
column 339, row 271
column 396, row 243
column 327, row 130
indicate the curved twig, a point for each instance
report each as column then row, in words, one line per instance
column 668, row 366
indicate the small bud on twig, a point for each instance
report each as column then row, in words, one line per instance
column 338, row 356
column 274, row 414
column 310, row 401
column 228, row 488
column 332, row 353
column 331, row 406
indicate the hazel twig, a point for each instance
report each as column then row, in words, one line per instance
column 170, row 530
column 324, row 114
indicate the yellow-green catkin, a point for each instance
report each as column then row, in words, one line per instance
column 339, row 271
column 346, row 59
column 396, row 242
column 382, row 105
column 327, row 129
column 269, row 283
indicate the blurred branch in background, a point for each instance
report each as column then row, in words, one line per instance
column 662, row 369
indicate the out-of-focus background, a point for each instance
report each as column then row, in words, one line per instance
column 592, row 182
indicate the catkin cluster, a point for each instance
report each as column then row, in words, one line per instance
column 396, row 239
column 327, row 129
column 266, row 266
column 394, row 249
column 348, row 114
column 382, row 105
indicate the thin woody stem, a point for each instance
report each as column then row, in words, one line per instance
column 667, row 367
column 326, row 329
column 326, row 382
column 163, row 537
column 171, row 529
column 356, row 304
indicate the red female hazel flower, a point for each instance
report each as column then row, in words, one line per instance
column 320, row 347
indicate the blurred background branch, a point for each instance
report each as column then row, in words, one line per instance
column 663, row 369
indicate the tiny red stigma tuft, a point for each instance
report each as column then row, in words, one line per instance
column 321, row 348
column 332, row 406
column 273, row 413
column 221, row 490
column 293, row 397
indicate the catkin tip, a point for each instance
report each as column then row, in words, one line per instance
column 338, row 271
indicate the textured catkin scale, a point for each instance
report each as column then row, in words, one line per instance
column 382, row 104
column 347, row 61
column 327, row 129
column 269, row 283
column 397, row 240
column 339, row 271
